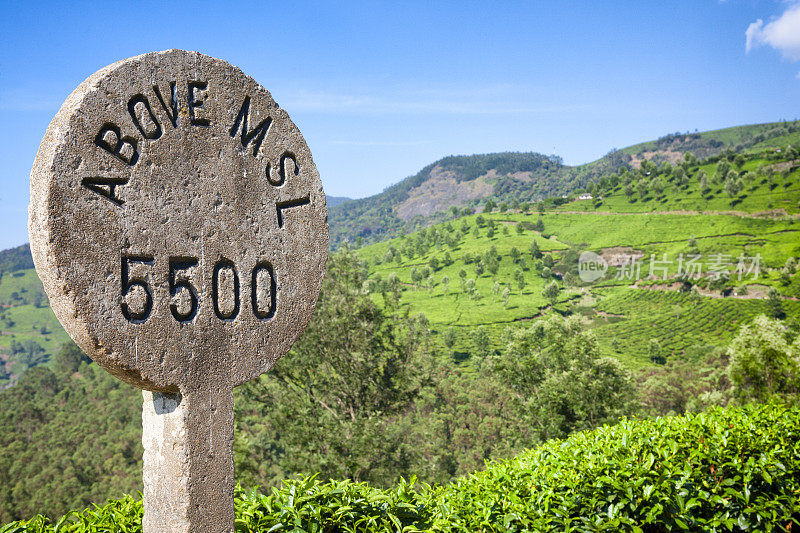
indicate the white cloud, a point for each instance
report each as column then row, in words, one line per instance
column 782, row 33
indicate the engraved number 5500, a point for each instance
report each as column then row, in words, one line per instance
column 225, row 289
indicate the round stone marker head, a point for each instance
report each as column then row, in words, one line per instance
column 178, row 222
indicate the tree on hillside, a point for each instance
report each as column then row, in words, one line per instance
column 749, row 178
column 658, row 187
column 489, row 206
column 449, row 338
column 559, row 379
column 445, row 284
column 481, row 342
column 416, row 276
column 791, row 266
column 551, row 292
column 702, row 180
column 506, row 295
column 519, row 278
column 67, row 439
column 723, row 167
column 642, row 188
column 764, row 361
column 69, row 358
column 628, row 190
column 469, row 287
column 493, row 265
column 775, row 304
column 536, row 253
column 32, row 353
column 332, row 404
column 785, row 277
column 681, row 179
column 732, row 186
column 656, row 352
column 392, row 289
column 680, row 385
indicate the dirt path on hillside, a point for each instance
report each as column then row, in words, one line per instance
column 34, row 333
column 779, row 214
column 716, row 236
column 759, row 293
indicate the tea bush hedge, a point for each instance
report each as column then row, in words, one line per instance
column 734, row 469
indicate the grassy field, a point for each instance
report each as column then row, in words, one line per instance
column 25, row 318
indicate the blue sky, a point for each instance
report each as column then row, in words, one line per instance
column 381, row 89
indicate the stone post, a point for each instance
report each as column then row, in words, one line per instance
column 179, row 227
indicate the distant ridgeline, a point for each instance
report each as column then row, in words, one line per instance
column 451, row 181
column 14, row 259
column 513, row 177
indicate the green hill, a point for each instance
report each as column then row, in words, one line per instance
column 483, row 270
column 30, row 334
column 723, row 470
column 464, row 182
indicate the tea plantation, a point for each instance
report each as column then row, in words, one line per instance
column 491, row 268
column 735, row 469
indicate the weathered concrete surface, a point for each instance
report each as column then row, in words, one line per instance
column 179, row 227
column 188, row 461
column 166, row 462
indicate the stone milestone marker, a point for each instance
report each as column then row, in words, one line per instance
column 179, row 226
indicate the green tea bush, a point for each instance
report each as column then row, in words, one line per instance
column 722, row 470
column 735, row 469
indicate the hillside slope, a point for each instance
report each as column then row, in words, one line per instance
column 490, row 271
column 515, row 178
